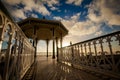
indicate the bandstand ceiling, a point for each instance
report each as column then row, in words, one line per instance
column 44, row 28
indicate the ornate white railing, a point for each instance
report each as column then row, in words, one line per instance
column 16, row 52
column 101, row 54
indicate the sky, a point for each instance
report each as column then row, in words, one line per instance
column 85, row 19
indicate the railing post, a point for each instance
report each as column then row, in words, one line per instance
column 78, row 52
column 90, row 54
column 81, row 51
column 111, row 52
column 94, row 43
column 7, row 59
column 19, row 58
column 73, row 56
column 102, row 52
column 86, row 54
column 85, row 48
column 89, row 44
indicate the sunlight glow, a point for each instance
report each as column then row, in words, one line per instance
column 66, row 44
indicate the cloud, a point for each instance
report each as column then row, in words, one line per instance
column 84, row 28
column 12, row 2
column 99, row 33
column 75, row 17
column 58, row 18
column 39, row 7
column 51, row 3
column 68, row 23
column 54, row 8
column 77, row 27
column 105, row 11
column 94, row 17
column 34, row 15
column 79, row 30
column 19, row 13
column 99, row 12
column 29, row 5
column 43, row 10
column 75, row 2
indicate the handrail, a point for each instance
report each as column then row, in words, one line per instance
column 16, row 52
column 103, row 36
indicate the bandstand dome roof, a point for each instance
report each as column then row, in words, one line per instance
column 43, row 28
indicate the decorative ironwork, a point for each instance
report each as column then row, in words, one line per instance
column 16, row 52
column 101, row 54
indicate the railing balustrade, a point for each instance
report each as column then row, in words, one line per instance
column 101, row 54
column 16, row 52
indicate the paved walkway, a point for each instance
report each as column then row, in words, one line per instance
column 49, row 69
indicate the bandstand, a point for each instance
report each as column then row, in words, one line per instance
column 43, row 29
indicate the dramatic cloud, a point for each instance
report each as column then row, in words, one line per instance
column 19, row 13
column 12, row 2
column 75, row 2
column 28, row 5
column 84, row 28
column 97, row 17
column 99, row 12
column 51, row 4
column 43, row 10
column 38, row 6
column 79, row 30
column 68, row 23
column 105, row 11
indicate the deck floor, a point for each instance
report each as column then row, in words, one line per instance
column 50, row 69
